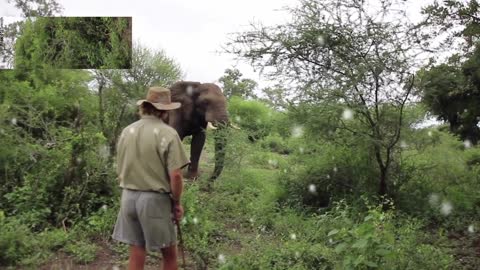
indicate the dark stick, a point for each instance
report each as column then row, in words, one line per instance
column 179, row 231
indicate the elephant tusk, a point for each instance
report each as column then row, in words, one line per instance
column 210, row 126
column 234, row 126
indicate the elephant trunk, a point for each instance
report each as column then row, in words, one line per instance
column 220, row 136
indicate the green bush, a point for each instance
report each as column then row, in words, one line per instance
column 251, row 115
column 50, row 194
column 53, row 172
column 328, row 172
column 19, row 246
column 441, row 175
column 237, row 148
column 53, row 239
column 378, row 241
column 268, row 160
column 276, row 143
column 344, row 238
column 101, row 223
column 15, row 241
column 283, row 122
column 252, row 195
column 81, row 251
column 198, row 225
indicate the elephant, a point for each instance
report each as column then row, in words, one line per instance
column 203, row 105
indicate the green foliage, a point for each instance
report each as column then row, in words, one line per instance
column 199, row 226
column 343, row 238
column 276, row 96
column 378, row 242
column 14, row 242
column 75, row 42
column 100, row 223
column 361, row 64
column 455, row 17
column 327, row 171
column 22, row 247
column 275, row 143
column 58, row 194
column 448, row 91
column 283, row 123
column 254, row 116
column 55, row 156
column 438, row 174
column 252, row 195
column 237, row 149
column 268, row 161
column 234, row 85
column 81, row 251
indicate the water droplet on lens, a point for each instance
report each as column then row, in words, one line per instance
column 446, row 208
column 221, row 258
column 297, row 131
column 347, row 114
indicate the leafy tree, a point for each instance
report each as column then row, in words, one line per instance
column 234, row 85
column 29, row 8
column 38, row 8
column 75, row 42
column 450, row 92
column 276, row 96
column 458, row 18
column 50, row 159
column 345, row 52
column 451, row 89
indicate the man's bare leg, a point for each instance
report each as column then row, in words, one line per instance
column 169, row 261
column 137, row 258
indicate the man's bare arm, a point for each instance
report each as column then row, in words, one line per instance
column 176, row 184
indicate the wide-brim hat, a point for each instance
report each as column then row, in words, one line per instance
column 160, row 98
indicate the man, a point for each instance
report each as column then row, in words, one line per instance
column 150, row 157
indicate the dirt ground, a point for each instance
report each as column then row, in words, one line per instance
column 105, row 260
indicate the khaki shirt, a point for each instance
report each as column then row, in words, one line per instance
column 147, row 151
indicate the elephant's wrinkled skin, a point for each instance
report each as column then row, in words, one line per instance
column 201, row 103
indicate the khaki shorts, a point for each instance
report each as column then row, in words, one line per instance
column 145, row 219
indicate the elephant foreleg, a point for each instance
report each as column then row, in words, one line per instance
column 220, row 143
column 198, row 141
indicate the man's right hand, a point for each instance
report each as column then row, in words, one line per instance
column 177, row 211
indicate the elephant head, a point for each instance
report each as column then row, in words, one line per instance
column 203, row 104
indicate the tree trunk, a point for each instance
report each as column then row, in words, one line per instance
column 101, row 111
column 383, row 182
column 71, row 173
column 383, row 166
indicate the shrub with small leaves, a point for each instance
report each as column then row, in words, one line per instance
column 81, row 251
